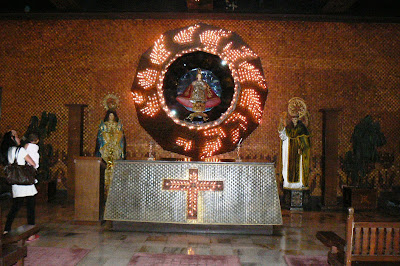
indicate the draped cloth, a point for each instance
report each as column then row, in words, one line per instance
column 295, row 147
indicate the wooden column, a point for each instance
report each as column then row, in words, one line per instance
column 75, row 143
column 1, row 92
column 89, row 189
column 330, row 161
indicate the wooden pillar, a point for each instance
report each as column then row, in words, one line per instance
column 75, row 143
column 1, row 92
column 330, row 160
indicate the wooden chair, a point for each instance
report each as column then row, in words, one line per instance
column 13, row 249
column 367, row 242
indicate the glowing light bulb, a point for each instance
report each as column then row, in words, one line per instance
column 233, row 55
column 186, row 35
column 251, row 101
column 211, row 38
column 151, row 107
column 159, row 53
column 147, row 78
column 248, row 72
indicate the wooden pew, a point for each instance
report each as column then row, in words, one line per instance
column 371, row 242
column 13, row 249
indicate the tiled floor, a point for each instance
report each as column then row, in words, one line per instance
column 295, row 236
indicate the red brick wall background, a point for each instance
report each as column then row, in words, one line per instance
column 45, row 64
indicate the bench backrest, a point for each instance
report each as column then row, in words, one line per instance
column 372, row 241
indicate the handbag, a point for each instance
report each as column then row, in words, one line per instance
column 19, row 174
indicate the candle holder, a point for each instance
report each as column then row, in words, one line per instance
column 151, row 155
column 238, row 159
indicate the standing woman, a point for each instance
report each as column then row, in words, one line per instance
column 10, row 149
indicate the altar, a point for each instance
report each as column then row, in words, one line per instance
column 199, row 193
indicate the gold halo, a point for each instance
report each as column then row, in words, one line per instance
column 297, row 107
column 111, row 102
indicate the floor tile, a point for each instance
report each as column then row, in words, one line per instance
column 107, row 247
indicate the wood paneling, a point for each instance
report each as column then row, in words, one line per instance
column 89, row 189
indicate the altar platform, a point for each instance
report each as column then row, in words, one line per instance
column 210, row 197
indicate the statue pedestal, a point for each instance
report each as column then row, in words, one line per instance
column 296, row 200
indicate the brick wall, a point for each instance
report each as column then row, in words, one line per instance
column 46, row 64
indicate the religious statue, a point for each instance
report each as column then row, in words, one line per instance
column 199, row 97
column 295, row 146
column 110, row 144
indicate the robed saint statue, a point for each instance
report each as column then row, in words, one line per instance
column 295, row 146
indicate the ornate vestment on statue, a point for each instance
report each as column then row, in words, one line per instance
column 295, row 156
column 110, row 137
column 110, row 143
column 199, row 91
column 198, row 97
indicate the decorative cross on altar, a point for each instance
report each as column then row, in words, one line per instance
column 192, row 186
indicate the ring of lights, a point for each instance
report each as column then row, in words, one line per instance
column 243, row 85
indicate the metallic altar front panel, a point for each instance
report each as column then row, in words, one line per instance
column 249, row 197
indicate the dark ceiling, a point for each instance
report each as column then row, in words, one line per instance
column 349, row 8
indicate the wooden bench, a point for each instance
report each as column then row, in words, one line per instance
column 13, row 249
column 366, row 242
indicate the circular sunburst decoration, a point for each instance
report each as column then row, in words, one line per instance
column 199, row 90
column 297, row 107
column 110, row 102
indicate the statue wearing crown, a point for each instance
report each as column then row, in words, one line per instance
column 198, row 97
column 110, row 144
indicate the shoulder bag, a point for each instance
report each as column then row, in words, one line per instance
column 19, row 174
